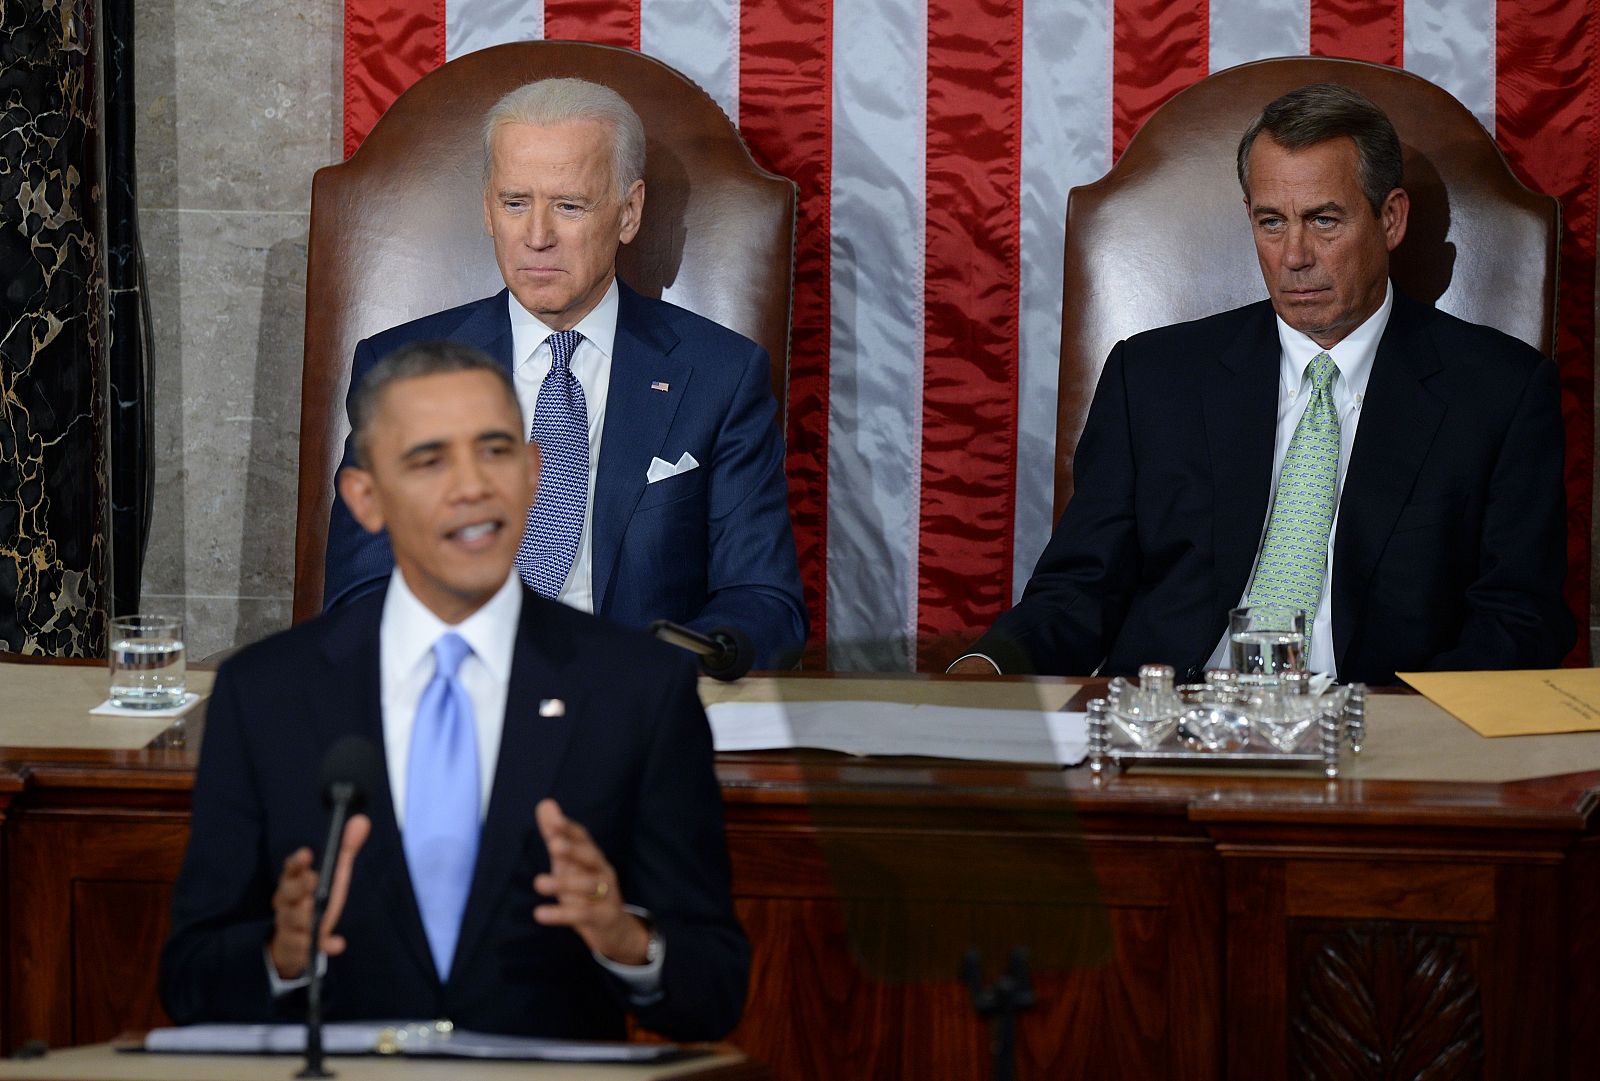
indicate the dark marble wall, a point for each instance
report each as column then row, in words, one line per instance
column 128, row 315
column 53, row 489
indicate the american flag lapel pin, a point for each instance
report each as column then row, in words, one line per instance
column 659, row 385
column 552, row 707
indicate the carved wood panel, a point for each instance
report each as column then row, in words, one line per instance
column 1386, row 1000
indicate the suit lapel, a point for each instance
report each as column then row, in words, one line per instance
column 638, row 417
column 1399, row 418
column 1240, row 402
column 349, row 701
column 488, row 326
column 531, row 749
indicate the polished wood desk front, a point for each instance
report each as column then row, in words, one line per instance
column 1436, row 909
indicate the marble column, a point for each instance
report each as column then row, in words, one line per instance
column 54, row 518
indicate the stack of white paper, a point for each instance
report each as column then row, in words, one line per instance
column 416, row 1038
column 902, row 728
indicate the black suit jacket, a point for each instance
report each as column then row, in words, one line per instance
column 631, row 760
column 1449, row 551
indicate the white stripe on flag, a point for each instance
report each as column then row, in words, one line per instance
column 1066, row 141
column 1246, row 30
column 701, row 39
column 470, row 25
column 1451, row 43
column 876, row 367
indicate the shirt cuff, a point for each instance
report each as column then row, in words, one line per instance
column 642, row 981
column 281, row 986
column 981, row 657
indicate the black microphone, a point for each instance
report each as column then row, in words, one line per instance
column 350, row 770
column 726, row 653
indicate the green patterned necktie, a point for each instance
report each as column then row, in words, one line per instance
column 1294, row 553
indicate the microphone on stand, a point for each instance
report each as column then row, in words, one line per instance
column 349, row 772
column 726, row 653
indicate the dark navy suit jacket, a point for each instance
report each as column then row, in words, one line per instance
column 709, row 548
column 1450, row 548
column 630, row 759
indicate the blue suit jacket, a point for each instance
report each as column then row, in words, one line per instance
column 629, row 758
column 712, row 547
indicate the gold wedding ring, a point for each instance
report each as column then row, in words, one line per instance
column 602, row 889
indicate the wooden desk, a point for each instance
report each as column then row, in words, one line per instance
column 100, row 1062
column 1438, row 905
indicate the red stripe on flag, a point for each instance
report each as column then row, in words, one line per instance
column 1158, row 49
column 388, row 45
column 1547, row 106
column 786, row 115
column 1371, row 30
column 969, row 418
column 604, row 22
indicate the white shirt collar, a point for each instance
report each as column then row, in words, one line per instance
column 599, row 327
column 408, row 629
column 1353, row 354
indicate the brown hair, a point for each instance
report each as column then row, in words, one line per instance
column 1321, row 111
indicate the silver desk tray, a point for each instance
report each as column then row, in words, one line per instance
column 1321, row 749
column 1125, row 756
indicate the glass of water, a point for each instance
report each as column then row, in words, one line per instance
column 1266, row 640
column 147, row 662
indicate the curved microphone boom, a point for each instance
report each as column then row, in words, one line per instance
column 726, row 653
column 350, row 772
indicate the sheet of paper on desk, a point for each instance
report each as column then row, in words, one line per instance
column 1527, row 703
column 365, row 1038
column 902, row 728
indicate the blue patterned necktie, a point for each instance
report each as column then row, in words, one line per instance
column 561, row 428
column 442, row 798
column 1294, row 553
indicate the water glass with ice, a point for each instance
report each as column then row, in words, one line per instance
column 1266, row 640
column 147, row 662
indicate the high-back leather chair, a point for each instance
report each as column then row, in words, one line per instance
column 1163, row 237
column 397, row 232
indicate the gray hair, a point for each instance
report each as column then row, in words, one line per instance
column 1322, row 111
column 550, row 102
column 413, row 362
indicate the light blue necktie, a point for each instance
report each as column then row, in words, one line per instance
column 442, row 793
column 561, row 428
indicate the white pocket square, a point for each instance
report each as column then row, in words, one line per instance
column 661, row 470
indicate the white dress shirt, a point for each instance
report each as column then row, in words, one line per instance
column 1353, row 356
column 407, row 632
column 591, row 363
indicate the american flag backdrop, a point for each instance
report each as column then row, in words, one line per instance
column 934, row 143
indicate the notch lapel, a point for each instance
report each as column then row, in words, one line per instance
column 349, row 701
column 1399, row 419
column 488, row 326
column 1240, row 402
column 531, row 750
column 637, row 421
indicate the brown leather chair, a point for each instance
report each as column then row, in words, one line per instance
column 1163, row 237
column 397, row 233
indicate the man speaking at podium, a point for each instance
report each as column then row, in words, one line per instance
column 542, row 848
